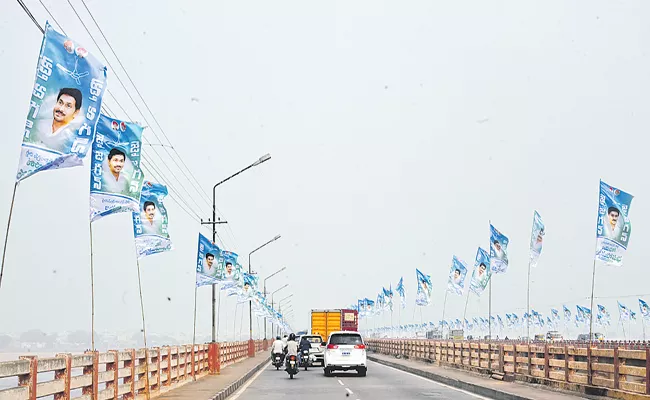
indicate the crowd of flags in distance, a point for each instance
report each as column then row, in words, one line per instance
column 64, row 123
column 512, row 323
column 613, row 229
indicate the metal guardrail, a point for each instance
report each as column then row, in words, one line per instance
column 623, row 368
column 119, row 374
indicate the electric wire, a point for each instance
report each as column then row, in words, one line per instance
column 153, row 165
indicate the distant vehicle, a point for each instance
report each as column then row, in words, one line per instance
column 584, row 337
column 554, row 336
column 317, row 348
column 540, row 338
column 324, row 322
column 434, row 334
column 345, row 351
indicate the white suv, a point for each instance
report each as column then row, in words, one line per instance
column 345, row 351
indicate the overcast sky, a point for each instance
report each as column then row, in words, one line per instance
column 398, row 130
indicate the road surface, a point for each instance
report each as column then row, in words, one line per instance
column 381, row 383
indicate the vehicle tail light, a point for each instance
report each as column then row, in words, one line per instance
column 360, row 346
column 332, row 346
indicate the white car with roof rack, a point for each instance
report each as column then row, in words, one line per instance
column 345, row 351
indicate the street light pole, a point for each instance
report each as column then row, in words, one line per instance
column 266, row 279
column 274, row 292
column 250, row 303
column 214, row 224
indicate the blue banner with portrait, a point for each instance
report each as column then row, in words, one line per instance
column 64, row 106
column 536, row 239
column 498, row 251
column 482, row 272
column 613, row 227
column 115, row 175
column 423, row 296
column 207, row 259
column 150, row 223
column 457, row 274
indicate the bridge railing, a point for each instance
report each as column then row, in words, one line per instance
column 118, row 374
column 625, row 368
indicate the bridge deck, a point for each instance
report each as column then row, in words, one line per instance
column 208, row 386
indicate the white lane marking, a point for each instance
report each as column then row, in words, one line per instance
column 341, row 383
column 438, row 383
column 349, row 391
column 247, row 384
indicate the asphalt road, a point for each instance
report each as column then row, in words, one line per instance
column 381, row 383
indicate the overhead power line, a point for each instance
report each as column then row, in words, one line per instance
column 152, row 165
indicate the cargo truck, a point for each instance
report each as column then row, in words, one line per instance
column 324, row 322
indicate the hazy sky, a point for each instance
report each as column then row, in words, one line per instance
column 398, row 129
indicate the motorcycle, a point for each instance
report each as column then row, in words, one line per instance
column 277, row 360
column 292, row 366
column 305, row 359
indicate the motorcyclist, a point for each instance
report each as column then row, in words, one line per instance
column 277, row 348
column 292, row 346
column 304, row 345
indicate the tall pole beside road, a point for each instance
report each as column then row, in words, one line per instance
column 266, row 279
column 272, row 306
column 250, row 303
column 214, row 224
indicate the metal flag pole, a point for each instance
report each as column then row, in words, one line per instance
column 591, row 310
column 444, row 306
column 92, row 289
column 490, row 312
column 234, row 325
column 466, row 302
column 643, row 325
column 490, row 293
column 194, row 328
column 528, row 303
column 623, row 326
column 144, row 336
column 4, row 250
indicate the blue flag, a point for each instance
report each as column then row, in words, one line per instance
column 208, row 256
column 645, row 310
column 457, row 273
column 115, row 178
column 624, row 312
column 64, row 106
column 536, row 239
column 603, row 318
column 482, row 272
column 567, row 314
column 498, row 251
column 613, row 227
column 150, row 224
column 423, row 297
column 402, row 293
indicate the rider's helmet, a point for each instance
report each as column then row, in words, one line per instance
column 277, row 337
column 292, row 337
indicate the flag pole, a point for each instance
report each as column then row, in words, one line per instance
column 4, row 251
column 194, row 328
column 444, row 306
column 144, row 336
column 591, row 310
column 490, row 312
column 643, row 325
column 92, row 289
column 528, row 302
column 466, row 302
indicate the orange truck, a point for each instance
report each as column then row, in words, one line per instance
column 324, row 322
